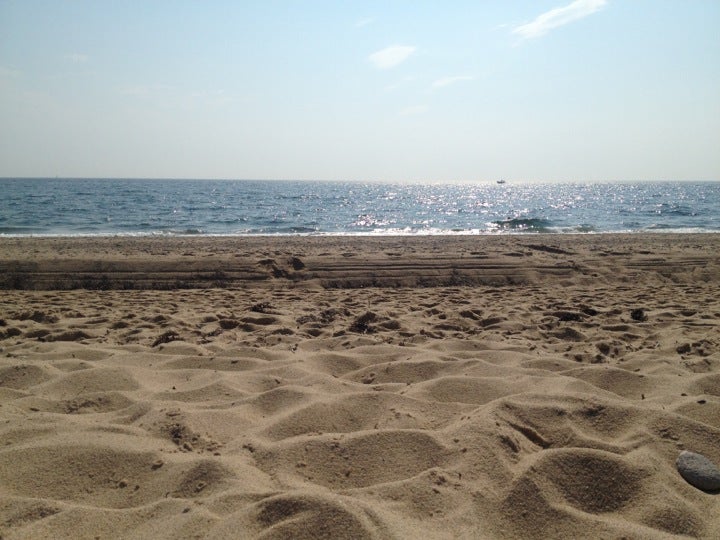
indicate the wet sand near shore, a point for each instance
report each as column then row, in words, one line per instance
column 530, row 386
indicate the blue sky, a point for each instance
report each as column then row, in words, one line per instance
column 585, row 90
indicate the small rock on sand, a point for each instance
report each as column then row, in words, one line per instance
column 698, row 471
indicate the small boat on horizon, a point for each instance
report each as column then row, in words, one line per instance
column 501, row 181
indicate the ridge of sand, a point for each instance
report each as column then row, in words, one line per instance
column 492, row 387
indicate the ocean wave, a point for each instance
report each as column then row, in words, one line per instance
column 582, row 228
column 19, row 230
column 186, row 232
column 674, row 210
column 277, row 231
column 524, row 225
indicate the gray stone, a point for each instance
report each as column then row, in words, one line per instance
column 698, row 471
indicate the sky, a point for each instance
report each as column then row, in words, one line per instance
column 546, row 90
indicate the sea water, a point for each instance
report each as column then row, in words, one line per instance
column 242, row 207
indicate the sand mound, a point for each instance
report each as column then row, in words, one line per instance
column 454, row 388
column 305, row 516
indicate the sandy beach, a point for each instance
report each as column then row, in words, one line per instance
column 530, row 386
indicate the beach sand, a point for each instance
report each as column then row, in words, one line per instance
column 535, row 386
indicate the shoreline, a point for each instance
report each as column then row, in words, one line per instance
column 445, row 233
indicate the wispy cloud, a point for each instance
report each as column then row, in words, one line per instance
column 364, row 22
column 164, row 96
column 447, row 81
column 413, row 110
column 146, row 90
column 76, row 58
column 214, row 98
column 6, row 73
column 391, row 56
column 399, row 84
column 558, row 17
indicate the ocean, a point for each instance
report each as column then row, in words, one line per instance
column 74, row 207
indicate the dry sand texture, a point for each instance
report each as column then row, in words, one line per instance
column 492, row 387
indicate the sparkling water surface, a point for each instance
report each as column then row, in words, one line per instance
column 241, row 207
